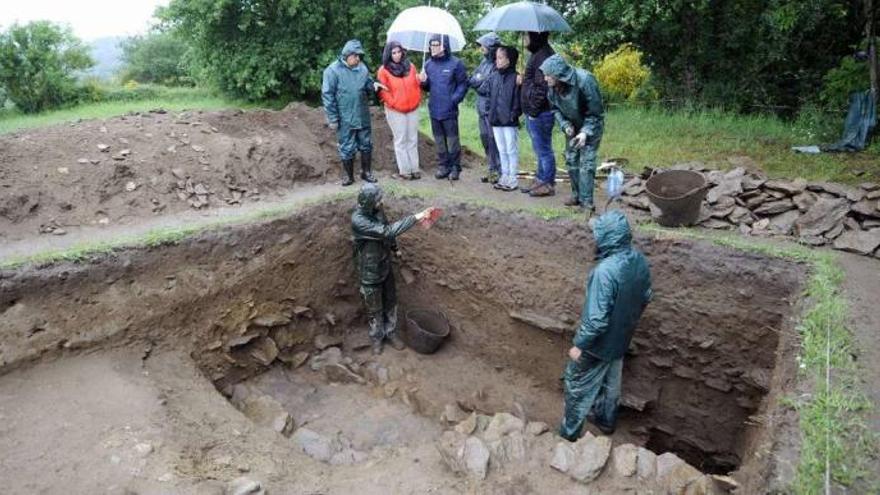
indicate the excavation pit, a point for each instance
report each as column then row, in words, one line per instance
column 712, row 357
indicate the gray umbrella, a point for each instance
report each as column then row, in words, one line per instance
column 523, row 16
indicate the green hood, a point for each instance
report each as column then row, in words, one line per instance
column 369, row 197
column 351, row 46
column 556, row 66
column 612, row 233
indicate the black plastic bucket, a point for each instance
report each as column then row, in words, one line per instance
column 679, row 195
column 426, row 330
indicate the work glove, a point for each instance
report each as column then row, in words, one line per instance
column 569, row 131
column 580, row 140
column 377, row 86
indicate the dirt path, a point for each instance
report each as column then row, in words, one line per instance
column 862, row 288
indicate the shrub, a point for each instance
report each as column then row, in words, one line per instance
column 622, row 76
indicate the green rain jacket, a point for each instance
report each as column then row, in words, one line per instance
column 345, row 91
column 374, row 238
column 618, row 289
column 580, row 107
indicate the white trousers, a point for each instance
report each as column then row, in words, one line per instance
column 507, row 141
column 405, row 129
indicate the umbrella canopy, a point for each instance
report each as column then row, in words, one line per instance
column 523, row 16
column 413, row 27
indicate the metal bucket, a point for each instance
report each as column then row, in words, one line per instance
column 679, row 195
column 426, row 330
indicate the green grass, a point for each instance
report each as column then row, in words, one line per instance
column 657, row 138
column 172, row 99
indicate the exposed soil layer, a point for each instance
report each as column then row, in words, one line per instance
column 713, row 354
column 56, row 178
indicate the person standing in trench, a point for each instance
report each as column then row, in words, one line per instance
column 374, row 241
column 617, row 292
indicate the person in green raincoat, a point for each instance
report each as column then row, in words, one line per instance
column 577, row 106
column 374, row 241
column 618, row 289
column 345, row 92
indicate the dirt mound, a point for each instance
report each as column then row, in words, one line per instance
column 144, row 164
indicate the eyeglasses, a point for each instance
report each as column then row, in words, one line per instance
column 435, row 45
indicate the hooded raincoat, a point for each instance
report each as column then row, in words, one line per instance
column 374, row 240
column 345, row 93
column 577, row 106
column 618, row 289
column 482, row 73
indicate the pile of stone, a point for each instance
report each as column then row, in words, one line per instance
column 815, row 213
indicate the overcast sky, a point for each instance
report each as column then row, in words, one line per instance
column 89, row 19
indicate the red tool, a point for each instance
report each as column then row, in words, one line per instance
column 433, row 215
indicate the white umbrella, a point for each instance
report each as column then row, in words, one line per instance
column 414, row 27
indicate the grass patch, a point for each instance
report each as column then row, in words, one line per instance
column 658, row 138
column 174, row 99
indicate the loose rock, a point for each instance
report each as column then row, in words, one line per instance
column 861, row 242
column 624, row 459
column 313, row 444
column 245, row 486
column 593, row 453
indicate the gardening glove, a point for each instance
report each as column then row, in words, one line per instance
column 579, row 141
column 569, row 131
column 377, row 86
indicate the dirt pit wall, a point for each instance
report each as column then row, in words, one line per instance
column 712, row 356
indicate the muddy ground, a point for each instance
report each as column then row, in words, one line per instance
column 161, row 331
column 55, row 179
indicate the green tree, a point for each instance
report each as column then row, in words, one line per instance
column 274, row 48
column 157, row 57
column 38, row 63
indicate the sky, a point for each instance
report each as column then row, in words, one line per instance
column 89, row 19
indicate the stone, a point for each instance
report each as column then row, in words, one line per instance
column 790, row 188
column 542, row 322
column 728, row 186
column 331, row 355
column 293, row 359
column 244, row 486
column 704, row 485
column 198, row 149
column 407, row 275
column 468, row 425
column 347, row 457
column 103, row 148
column 265, row 411
column 821, row 217
column 646, row 463
column 592, row 455
column 356, row 341
column 270, row 320
column 637, row 202
column 124, row 152
column 313, row 444
column 804, row 200
column 851, row 224
column 143, row 449
column 867, row 208
column 756, row 201
column 303, row 311
column 537, row 428
column 624, row 459
column 476, row 457
column 741, row 215
column 870, row 195
column 263, row 350
column 463, row 454
column 564, row 456
column 453, row 414
column 502, row 424
column 775, row 207
column 323, row 341
column 784, row 224
column 838, row 190
column 870, row 224
column 340, row 373
column 178, row 173
column 862, row 242
column 726, row 483
column 83, row 161
column 752, row 182
column 870, row 186
column 511, row 448
column 674, row 474
column 714, row 223
column 835, row 231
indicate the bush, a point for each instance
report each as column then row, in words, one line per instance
column 838, row 83
column 156, row 58
column 38, row 62
column 622, row 76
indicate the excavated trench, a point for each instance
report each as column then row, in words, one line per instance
column 713, row 355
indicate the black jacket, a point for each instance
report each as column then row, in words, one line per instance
column 503, row 95
column 534, row 88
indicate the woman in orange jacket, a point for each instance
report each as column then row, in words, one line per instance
column 402, row 99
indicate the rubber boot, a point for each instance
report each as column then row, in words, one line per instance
column 441, row 173
column 396, row 342
column 348, row 170
column 455, row 173
column 367, row 167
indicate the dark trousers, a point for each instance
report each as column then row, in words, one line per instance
column 488, row 139
column 381, row 303
column 448, row 143
column 541, row 131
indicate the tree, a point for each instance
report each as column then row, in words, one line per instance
column 38, row 62
column 157, row 57
column 274, row 48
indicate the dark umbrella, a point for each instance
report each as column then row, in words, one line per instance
column 523, row 16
